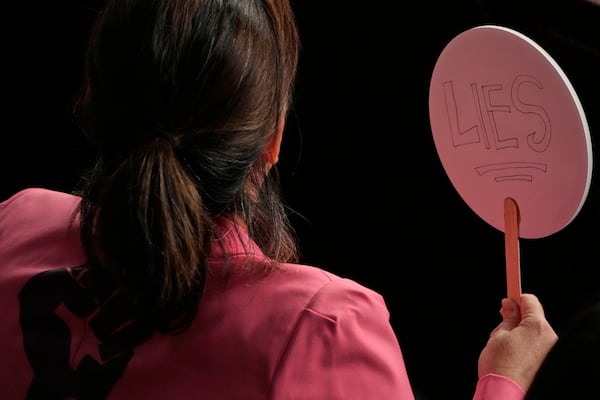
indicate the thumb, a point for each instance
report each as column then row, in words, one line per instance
column 511, row 316
column 511, row 313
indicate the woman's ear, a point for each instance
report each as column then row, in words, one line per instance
column 274, row 146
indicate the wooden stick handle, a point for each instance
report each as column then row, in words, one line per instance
column 511, row 247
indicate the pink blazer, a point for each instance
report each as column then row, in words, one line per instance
column 298, row 333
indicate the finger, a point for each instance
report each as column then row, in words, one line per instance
column 511, row 315
column 531, row 306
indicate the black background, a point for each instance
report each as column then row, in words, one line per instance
column 358, row 162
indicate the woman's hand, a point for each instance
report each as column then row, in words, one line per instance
column 519, row 344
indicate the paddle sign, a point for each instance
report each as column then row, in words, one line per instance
column 507, row 123
column 511, row 134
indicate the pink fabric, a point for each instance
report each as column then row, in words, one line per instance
column 497, row 387
column 299, row 333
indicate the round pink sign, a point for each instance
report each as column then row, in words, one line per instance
column 506, row 122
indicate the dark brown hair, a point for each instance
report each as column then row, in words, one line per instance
column 180, row 98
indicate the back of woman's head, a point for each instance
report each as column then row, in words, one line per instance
column 180, row 98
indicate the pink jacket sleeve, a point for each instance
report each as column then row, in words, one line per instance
column 343, row 348
column 497, row 387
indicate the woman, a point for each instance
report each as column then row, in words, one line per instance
column 173, row 272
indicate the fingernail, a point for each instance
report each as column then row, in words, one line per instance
column 508, row 308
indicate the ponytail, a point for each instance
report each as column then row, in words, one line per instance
column 145, row 224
